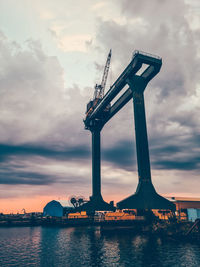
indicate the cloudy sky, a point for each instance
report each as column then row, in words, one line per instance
column 51, row 55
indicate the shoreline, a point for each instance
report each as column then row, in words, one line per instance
column 161, row 229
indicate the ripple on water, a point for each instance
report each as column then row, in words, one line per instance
column 86, row 246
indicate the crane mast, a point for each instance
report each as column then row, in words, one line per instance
column 99, row 88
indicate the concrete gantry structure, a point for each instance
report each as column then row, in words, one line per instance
column 145, row 196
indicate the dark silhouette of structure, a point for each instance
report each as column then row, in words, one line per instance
column 145, row 196
column 101, row 111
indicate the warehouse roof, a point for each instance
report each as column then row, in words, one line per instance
column 183, row 199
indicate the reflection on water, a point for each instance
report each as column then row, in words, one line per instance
column 87, row 246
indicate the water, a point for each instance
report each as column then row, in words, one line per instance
column 86, row 246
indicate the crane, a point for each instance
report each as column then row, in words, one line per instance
column 99, row 88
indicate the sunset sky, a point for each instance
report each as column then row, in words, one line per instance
column 51, row 55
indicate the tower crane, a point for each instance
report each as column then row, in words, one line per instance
column 99, row 88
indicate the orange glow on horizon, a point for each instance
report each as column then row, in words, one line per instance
column 37, row 203
column 32, row 204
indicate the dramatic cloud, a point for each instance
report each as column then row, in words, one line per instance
column 40, row 120
column 121, row 155
column 70, row 153
column 42, row 136
column 172, row 97
column 35, row 105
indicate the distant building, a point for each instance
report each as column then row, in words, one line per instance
column 188, row 208
column 185, row 202
column 57, row 208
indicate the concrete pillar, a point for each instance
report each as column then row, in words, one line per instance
column 142, row 147
column 96, row 164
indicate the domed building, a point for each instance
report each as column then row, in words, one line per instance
column 57, row 208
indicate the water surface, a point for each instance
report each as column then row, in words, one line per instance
column 87, row 246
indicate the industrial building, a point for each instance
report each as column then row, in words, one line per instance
column 57, row 208
column 187, row 208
